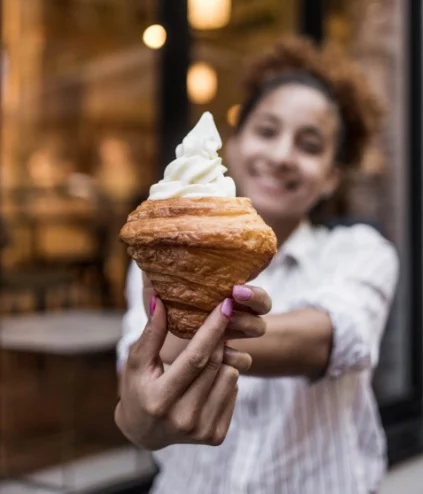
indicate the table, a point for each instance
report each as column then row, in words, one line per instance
column 61, row 333
column 62, row 365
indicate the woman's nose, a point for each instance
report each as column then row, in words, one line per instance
column 283, row 153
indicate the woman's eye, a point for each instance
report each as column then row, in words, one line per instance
column 267, row 132
column 311, row 147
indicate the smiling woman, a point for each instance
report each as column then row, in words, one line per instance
column 285, row 151
column 291, row 145
column 306, row 404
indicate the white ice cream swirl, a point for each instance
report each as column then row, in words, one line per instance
column 197, row 170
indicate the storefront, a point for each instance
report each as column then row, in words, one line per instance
column 96, row 97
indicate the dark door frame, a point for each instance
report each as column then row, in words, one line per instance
column 311, row 18
column 172, row 97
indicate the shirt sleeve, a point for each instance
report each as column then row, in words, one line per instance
column 135, row 318
column 362, row 273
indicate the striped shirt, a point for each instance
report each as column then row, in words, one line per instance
column 289, row 435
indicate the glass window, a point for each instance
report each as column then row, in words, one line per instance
column 78, row 152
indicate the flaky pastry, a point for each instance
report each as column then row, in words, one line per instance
column 195, row 250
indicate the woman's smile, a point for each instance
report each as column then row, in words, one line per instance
column 274, row 183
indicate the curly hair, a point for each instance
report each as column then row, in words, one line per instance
column 360, row 110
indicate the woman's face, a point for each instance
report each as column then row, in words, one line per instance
column 282, row 158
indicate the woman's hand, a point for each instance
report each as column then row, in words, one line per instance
column 250, row 304
column 193, row 401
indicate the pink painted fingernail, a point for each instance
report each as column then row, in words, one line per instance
column 242, row 292
column 152, row 305
column 226, row 308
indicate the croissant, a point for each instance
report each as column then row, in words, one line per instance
column 195, row 250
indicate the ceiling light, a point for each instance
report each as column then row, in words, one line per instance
column 154, row 36
column 201, row 83
column 209, row 14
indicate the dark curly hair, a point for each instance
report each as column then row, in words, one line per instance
column 298, row 59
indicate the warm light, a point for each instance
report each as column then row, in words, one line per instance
column 201, row 83
column 233, row 114
column 154, row 36
column 209, row 14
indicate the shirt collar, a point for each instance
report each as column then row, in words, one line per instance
column 299, row 244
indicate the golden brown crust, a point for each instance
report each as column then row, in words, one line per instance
column 206, row 222
column 195, row 250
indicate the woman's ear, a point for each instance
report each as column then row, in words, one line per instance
column 332, row 182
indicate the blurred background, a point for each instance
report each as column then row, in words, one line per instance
column 95, row 96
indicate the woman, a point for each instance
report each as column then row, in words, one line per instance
column 305, row 419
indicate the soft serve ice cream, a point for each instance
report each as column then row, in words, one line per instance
column 197, row 170
column 194, row 240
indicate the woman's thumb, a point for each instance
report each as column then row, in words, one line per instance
column 155, row 331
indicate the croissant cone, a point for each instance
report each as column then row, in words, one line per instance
column 195, row 250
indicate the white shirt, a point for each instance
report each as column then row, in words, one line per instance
column 289, row 435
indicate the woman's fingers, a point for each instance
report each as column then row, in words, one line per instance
column 245, row 325
column 196, row 414
column 222, row 427
column 189, row 402
column 197, row 411
column 253, row 298
column 194, row 359
column 146, row 349
column 241, row 361
column 186, row 411
column 218, row 399
column 251, row 303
